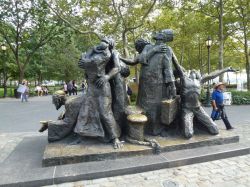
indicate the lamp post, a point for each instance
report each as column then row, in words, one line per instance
column 208, row 44
column 3, row 48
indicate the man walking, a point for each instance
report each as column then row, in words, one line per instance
column 70, row 87
column 217, row 103
column 24, row 90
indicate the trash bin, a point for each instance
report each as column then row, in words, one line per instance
column 227, row 98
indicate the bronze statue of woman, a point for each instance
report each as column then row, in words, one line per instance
column 96, row 118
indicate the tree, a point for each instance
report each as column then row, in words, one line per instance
column 7, row 68
column 26, row 26
column 242, row 24
column 131, row 15
column 107, row 17
column 60, row 59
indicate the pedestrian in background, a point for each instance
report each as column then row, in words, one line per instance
column 218, row 106
column 69, row 87
column 129, row 92
column 25, row 91
column 74, row 87
column 45, row 90
column 39, row 91
column 65, row 88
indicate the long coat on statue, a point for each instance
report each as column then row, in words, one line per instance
column 156, row 72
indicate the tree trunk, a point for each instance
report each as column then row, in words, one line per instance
column 125, row 44
column 40, row 78
column 182, row 54
column 21, row 75
column 200, row 57
column 189, row 61
column 247, row 57
column 248, row 75
column 5, row 86
column 1, row 79
column 4, row 78
column 221, row 39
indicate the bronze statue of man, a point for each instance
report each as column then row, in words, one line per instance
column 156, row 80
column 65, row 124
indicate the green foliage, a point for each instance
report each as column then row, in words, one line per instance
column 133, row 98
column 203, row 96
column 26, row 26
column 61, row 60
column 10, row 92
column 240, row 97
column 49, row 47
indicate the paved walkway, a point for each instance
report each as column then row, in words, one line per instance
column 16, row 116
column 232, row 172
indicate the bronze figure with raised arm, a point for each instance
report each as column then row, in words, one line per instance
column 156, row 78
column 190, row 89
column 152, row 81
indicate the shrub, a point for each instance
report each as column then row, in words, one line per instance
column 133, row 98
column 240, row 98
column 10, row 92
column 203, row 96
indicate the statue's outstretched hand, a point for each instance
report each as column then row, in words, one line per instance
column 161, row 48
column 101, row 81
column 83, row 61
column 125, row 71
column 80, row 64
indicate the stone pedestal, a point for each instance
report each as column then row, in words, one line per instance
column 169, row 110
column 63, row 152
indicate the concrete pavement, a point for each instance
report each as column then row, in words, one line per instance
column 16, row 116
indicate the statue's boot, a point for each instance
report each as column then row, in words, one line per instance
column 44, row 126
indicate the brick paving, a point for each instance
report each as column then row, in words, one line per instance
column 231, row 172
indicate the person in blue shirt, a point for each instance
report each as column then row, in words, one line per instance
column 217, row 103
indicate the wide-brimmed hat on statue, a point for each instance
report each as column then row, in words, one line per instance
column 218, row 84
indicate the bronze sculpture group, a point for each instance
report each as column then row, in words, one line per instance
column 100, row 113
